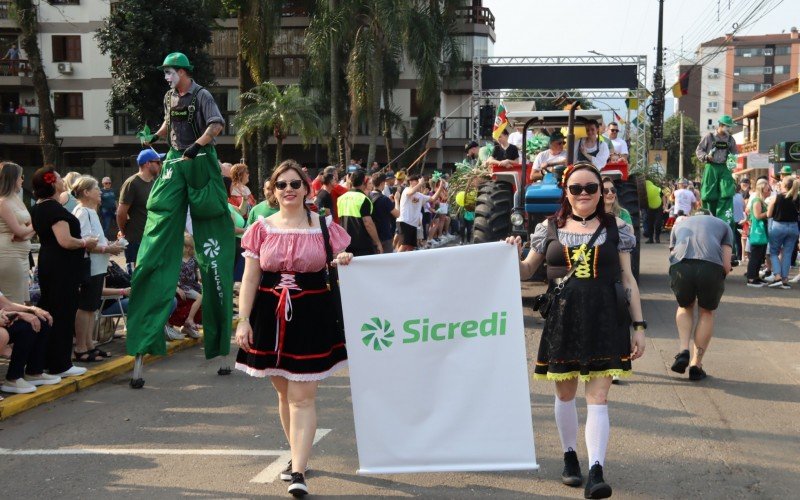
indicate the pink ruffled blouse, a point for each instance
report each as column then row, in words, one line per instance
column 297, row 250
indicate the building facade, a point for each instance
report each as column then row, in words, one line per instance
column 729, row 71
column 80, row 82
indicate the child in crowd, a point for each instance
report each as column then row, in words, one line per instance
column 189, row 285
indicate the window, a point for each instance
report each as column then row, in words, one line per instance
column 713, row 104
column 769, row 52
column 66, row 48
column 64, row 2
column 737, row 104
column 414, row 108
column 749, row 52
column 68, row 105
column 783, row 50
column 744, row 87
column 781, row 70
column 752, row 70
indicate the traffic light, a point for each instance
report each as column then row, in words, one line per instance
column 487, row 120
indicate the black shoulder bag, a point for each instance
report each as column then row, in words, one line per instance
column 544, row 302
column 332, row 274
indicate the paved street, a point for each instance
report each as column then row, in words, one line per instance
column 734, row 435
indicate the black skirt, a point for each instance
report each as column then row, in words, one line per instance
column 583, row 336
column 295, row 331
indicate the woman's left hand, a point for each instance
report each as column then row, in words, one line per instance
column 42, row 315
column 637, row 344
column 343, row 259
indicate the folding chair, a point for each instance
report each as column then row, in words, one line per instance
column 107, row 334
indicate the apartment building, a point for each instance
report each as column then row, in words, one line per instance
column 733, row 70
column 80, row 81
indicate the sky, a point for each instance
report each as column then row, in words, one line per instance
column 629, row 27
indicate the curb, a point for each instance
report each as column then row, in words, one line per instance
column 18, row 403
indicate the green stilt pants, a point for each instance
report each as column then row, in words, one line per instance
column 198, row 184
column 717, row 191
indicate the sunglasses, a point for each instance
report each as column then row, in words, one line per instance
column 295, row 184
column 560, row 143
column 610, row 190
column 613, row 130
column 576, row 189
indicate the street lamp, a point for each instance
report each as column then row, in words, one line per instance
column 616, row 58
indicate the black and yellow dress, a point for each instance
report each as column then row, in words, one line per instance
column 584, row 334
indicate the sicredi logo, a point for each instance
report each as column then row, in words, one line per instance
column 380, row 335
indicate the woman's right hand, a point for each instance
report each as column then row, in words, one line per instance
column 244, row 335
column 91, row 242
column 516, row 241
column 3, row 319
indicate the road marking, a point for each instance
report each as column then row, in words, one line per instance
column 270, row 473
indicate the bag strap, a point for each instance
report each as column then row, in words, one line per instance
column 327, row 238
column 575, row 268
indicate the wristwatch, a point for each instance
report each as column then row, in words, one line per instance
column 639, row 325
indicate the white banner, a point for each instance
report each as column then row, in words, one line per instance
column 436, row 349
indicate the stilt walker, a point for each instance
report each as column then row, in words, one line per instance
column 190, row 177
column 718, row 186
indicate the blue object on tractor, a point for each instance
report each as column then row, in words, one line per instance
column 543, row 197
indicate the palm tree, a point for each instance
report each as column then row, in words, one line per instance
column 29, row 24
column 283, row 111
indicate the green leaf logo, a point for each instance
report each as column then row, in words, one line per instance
column 377, row 333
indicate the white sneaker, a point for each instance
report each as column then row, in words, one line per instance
column 190, row 331
column 172, row 333
column 796, row 279
column 19, row 386
column 43, row 379
column 74, row 371
column 769, row 278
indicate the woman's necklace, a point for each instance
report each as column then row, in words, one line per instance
column 583, row 220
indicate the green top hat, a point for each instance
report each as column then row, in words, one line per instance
column 176, row 60
column 726, row 120
column 786, row 169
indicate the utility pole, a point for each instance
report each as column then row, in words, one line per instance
column 680, row 150
column 657, row 105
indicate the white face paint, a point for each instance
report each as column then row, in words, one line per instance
column 171, row 76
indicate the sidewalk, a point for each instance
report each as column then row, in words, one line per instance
column 98, row 372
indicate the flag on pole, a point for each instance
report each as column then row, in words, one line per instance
column 632, row 102
column 500, row 122
column 681, row 87
column 618, row 118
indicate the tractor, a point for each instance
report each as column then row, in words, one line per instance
column 508, row 205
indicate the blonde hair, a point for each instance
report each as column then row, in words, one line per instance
column 791, row 185
column 70, row 178
column 82, row 185
column 188, row 243
column 760, row 185
column 238, row 172
column 616, row 208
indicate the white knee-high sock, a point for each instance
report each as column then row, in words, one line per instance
column 597, row 428
column 567, row 422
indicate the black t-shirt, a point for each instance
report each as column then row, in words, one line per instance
column 325, row 201
column 52, row 255
column 510, row 153
column 785, row 208
column 382, row 215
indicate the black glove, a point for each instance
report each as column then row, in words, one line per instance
column 192, row 151
column 153, row 138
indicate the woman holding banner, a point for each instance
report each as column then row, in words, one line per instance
column 288, row 326
column 586, row 334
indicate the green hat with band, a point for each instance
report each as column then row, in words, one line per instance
column 726, row 120
column 786, row 169
column 176, row 60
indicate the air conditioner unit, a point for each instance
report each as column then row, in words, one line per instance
column 711, row 110
column 713, row 92
column 65, row 68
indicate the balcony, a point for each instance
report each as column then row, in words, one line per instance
column 5, row 7
column 16, row 73
column 749, row 147
column 476, row 15
column 279, row 66
column 19, row 125
column 124, row 125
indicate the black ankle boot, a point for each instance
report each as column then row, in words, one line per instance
column 596, row 487
column 571, row 476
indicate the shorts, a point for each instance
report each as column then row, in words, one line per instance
column 408, row 234
column 91, row 291
column 698, row 280
column 191, row 294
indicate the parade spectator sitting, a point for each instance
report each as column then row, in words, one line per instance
column 88, row 194
column 263, row 209
column 16, row 232
column 108, row 205
column 504, row 153
column 62, row 264
column 240, row 196
column 189, row 287
column 551, row 157
column 620, row 147
column 700, row 258
column 25, row 328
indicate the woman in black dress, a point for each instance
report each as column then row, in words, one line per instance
column 63, row 261
column 586, row 333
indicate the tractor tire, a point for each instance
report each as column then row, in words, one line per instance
column 493, row 212
column 629, row 196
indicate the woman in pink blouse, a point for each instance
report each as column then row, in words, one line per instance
column 287, row 327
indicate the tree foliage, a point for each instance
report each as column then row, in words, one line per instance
column 672, row 134
column 138, row 35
